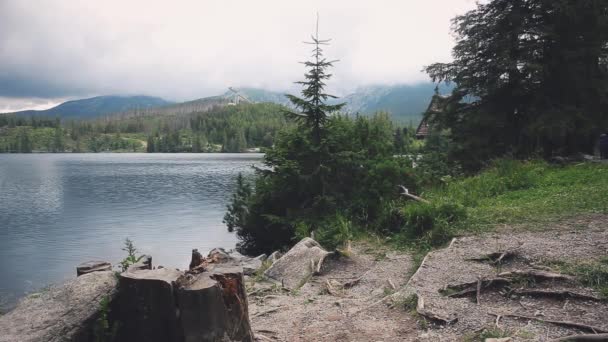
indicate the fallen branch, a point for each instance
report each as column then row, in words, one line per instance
column 566, row 324
column 556, row 294
column 406, row 193
column 583, row 338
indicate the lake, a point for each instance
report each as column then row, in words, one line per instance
column 58, row 210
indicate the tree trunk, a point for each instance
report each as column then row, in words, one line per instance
column 170, row 305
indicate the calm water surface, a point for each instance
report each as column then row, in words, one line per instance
column 57, row 210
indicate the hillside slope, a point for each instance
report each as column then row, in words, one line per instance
column 97, row 106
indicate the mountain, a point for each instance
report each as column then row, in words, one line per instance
column 260, row 95
column 98, row 106
column 404, row 102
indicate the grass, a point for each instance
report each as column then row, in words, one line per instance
column 523, row 194
column 528, row 193
column 592, row 273
column 481, row 336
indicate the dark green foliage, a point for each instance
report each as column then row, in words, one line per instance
column 530, row 75
column 222, row 128
column 328, row 175
column 103, row 330
column 360, row 176
column 431, row 223
column 238, row 207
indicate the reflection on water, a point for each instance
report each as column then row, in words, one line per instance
column 57, row 210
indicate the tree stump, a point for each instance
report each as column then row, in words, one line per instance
column 213, row 305
column 145, row 308
column 170, row 305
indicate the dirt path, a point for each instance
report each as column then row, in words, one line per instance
column 358, row 314
column 312, row 314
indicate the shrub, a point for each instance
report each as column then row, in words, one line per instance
column 335, row 232
column 131, row 255
column 431, row 223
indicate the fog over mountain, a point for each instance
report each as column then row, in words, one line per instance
column 57, row 50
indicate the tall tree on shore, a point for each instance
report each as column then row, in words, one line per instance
column 530, row 75
column 313, row 105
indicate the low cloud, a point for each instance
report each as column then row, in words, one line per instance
column 52, row 49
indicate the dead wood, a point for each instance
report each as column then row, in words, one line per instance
column 566, row 324
column 583, row 338
column 555, row 294
column 355, row 281
column 478, row 290
column 391, row 284
column 470, row 288
column 266, row 312
column 406, row 193
column 495, row 258
column 536, row 274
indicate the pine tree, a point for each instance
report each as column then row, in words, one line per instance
column 312, row 105
column 237, row 209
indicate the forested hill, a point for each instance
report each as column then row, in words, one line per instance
column 97, row 106
column 210, row 128
column 405, row 103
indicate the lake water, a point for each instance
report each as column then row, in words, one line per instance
column 58, row 210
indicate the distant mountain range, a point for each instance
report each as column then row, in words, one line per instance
column 98, row 106
column 406, row 103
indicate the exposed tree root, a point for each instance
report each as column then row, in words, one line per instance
column 496, row 258
column 566, row 324
column 583, row 338
column 555, row 294
column 262, row 313
column 536, row 274
column 355, row 281
column 471, row 288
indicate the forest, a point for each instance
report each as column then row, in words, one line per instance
column 530, row 86
column 217, row 129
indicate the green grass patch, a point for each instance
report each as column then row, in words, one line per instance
column 591, row 273
column 526, row 193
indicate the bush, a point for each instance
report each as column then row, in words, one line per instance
column 431, row 223
column 335, row 232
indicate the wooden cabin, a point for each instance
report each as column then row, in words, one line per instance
column 435, row 107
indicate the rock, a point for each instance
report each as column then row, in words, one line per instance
column 93, row 266
column 146, row 307
column 232, row 257
column 213, row 305
column 144, row 263
column 63, row 313
column 251, row 265
column 504, row 339
column 274, row 256
column 297, row 266
column 262, row 257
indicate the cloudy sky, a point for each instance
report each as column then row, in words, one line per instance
column 53, row 50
